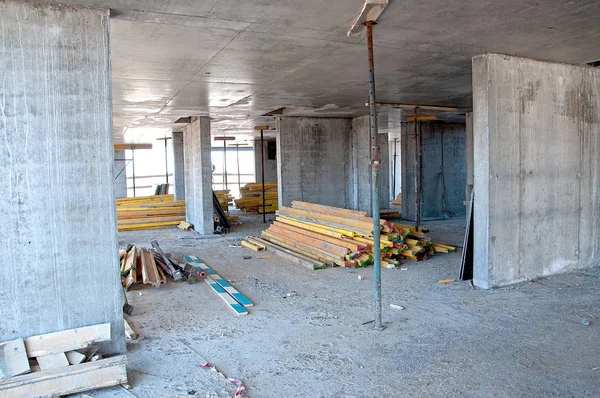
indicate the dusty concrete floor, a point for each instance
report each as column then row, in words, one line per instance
column 522, row 341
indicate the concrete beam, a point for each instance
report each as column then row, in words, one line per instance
column 198, row 175
column 179, row 169
column 536, row 132
column 59, row 267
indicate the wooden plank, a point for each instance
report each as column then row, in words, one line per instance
column 150, row 274
column 53, row 361
column 75, row 357
column 70, row 380
column 291, row 255
column 251, row 246
column 239, row 297
column 66, row 340
column 348, row 243
column 310, row 241
column 237, row 308
column 13, row 358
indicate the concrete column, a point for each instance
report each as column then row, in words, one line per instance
column 312, row 160
column 179, row 170
column 536, row 132
column 198, row 175
column 360, row 160
column 443, row 148
column 469, row 155
column 120, row 174
column 59, row 267
column 270, row 164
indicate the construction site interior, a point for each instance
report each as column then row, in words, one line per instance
column 357, row 198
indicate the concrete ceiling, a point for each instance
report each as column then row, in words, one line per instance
column 236, row 60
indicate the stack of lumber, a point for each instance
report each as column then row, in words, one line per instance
column 149, row 212
column 398, row 200
column 318, row 236
column 139, row 266
column 251, row 200
column 225, row 198
column 59, row 363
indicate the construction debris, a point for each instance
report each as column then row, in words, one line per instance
column 152, row 266
column 149, row 212
column 252, row 199
column 58, row 364
column 234, row 299
column 317, row 236
column 225, row 198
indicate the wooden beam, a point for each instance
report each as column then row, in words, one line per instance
column 259, row 128
column 70, row 380
column 123, row 147
column 66, row 340
column 413, row 106
column 421, row 118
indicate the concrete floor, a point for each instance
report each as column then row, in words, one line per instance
column 305, row 335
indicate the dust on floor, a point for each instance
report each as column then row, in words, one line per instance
column 305, row 335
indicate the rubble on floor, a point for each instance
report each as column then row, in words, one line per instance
column 252, row 198
column 149, row 212
column 318, row 236
column 59, row 363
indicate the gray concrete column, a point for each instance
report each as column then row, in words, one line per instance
column 469, row 146
column 360, row 197
column 270, row 164
column 59, row 267
column 120, row 174
column 179, row 169
column 312, row 160
column 443, row 148
column 198, row 175
column 536, row 129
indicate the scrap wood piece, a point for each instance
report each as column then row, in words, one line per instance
column 150, row 274
column 239, row 297
column 53, row 361
column 240, row 389
column 13, row 359
column 184, row 225
column 129, row 332
column 66, row 340
column 70, row 380
column 445, row 281
column 251, row 246
column 74, row 357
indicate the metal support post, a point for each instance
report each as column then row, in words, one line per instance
column 375, row 165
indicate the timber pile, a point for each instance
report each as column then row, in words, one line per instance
column 225, row 198
column 149, row 212
column 318, row 236
column 60, row 363
column 140, row 266
column 251, row 200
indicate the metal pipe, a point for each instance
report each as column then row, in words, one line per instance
column 375, row 165
column 394, row 178
column 417, row 175
column 133, row 168
column 166, row 165
column 225, row 162
column 262, row 165
column 237, row 153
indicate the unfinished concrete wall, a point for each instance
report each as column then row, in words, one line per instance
column 198, row 175
column 120, row 174
column 59, row 267
column 443, row 149
column 359, row 190
column 179, row 166
column 312, row 160
column 537, row 165
column 270, row 164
